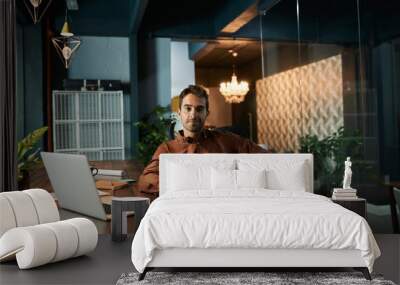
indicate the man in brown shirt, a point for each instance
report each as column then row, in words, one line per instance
column 194, row 138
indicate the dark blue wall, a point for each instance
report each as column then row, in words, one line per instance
column 29, row 79
column 154, row 74
column 101, row 58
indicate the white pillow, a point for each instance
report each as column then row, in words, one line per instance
column 189, row 176
column 237, row 179
column 183, row 178
column 223, row 179
column 251, row 179
column 293, row 179
column 281, row 174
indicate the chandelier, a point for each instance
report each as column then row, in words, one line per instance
column 37, row 8
column 233, row 91
column 66, row 44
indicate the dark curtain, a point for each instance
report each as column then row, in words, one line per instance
column 8, row 156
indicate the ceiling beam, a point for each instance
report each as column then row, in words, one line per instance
column 198, row 51
column 241, row 20
column 208, row 20
column 230, row 15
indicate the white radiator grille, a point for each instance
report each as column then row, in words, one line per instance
column 89, row 123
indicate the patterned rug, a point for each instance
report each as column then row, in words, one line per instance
column 242, row 278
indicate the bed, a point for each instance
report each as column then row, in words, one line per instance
column 246, row 211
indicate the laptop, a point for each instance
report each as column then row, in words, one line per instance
column 74, row 185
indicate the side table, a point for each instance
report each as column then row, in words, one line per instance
column 119, row 210
column 357, row 205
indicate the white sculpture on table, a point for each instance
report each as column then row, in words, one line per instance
column 347, row 174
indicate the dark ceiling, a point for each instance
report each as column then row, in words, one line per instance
column 183, row 19
column 178, row 13
column 326, row 21
column 93, row 17
column 322, row 21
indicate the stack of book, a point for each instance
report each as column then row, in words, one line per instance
column 109, row 174
column 109, row 181
column 344, row 194
column 110, row 185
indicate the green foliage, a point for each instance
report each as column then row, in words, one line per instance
column 329, row 156
column 153, row 130
column 27, row 156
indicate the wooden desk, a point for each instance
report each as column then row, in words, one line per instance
column 133, row 169
column 392, row 201
column 127, row 191
column 39, row 178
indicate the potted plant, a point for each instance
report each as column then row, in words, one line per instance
column 27, row 156
column 329, row 156
column 153, row 130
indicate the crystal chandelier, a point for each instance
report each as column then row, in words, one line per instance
column 66, row 44
column 37, row 8
column 233, row 91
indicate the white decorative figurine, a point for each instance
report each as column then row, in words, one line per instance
column 347, row 174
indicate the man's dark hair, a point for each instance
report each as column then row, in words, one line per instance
column 195, row 90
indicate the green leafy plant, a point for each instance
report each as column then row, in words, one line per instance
column 27, row 156
column 329, row 156
column 153, row 130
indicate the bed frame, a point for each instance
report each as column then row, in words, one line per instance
column 251, row 258
column 256, row 258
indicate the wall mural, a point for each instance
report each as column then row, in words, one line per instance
column 300, row 101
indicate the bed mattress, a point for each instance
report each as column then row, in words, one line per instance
column 250, row 219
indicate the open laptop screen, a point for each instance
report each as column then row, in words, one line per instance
column 73, row 184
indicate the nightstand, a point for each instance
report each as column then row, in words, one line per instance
column 357, row 205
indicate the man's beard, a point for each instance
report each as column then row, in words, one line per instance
column 194, row 126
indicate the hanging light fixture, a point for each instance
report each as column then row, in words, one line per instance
column 66, row 44
column 37, row 8
column 233, row 91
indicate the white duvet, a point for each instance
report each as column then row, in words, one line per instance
column 253, row 218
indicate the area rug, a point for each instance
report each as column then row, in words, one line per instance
column 243, row 278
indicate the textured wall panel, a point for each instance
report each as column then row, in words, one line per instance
column 303, row 100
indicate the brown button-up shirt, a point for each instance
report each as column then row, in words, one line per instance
column 209, row 141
